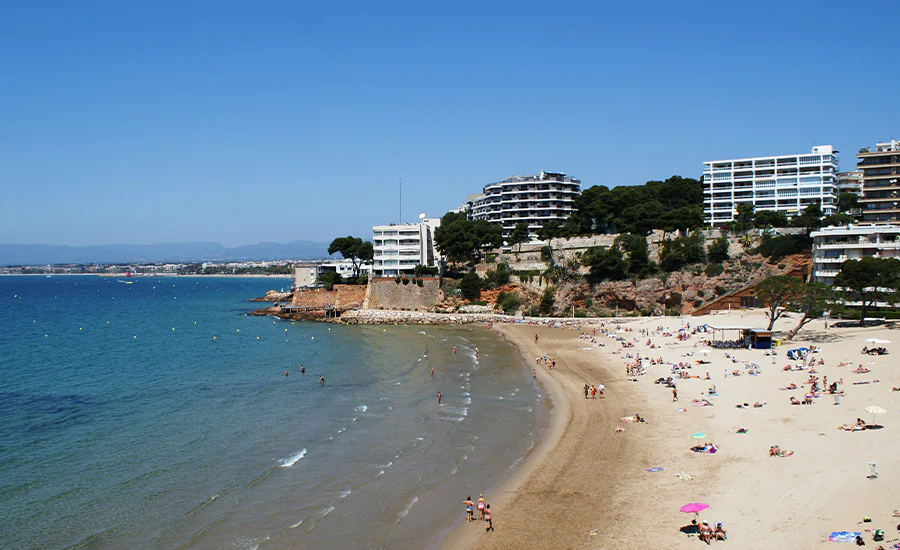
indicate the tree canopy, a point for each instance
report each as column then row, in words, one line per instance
column 462, row 240
column 869, row 281
column 673, row 204
column 810, row 301
column 776, row 293
column 354, row 249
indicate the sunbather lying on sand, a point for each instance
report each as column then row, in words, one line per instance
column 791, row 386
column 775, row 450
column 861, row 370
column 701, row 403
column 857, row 426
column 708, row 448
column 794, row 401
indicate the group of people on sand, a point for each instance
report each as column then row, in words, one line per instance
column 484, row 510
column 590, row 392
column 708, row 534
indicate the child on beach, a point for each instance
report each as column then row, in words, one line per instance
column 488, row 520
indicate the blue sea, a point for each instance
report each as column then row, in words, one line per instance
column 157, row 414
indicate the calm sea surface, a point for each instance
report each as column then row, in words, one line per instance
column 157, row 415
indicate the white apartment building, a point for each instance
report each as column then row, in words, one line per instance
column 400, row 248
column 834, row 245
column 786, row 183
column 534, row 199
column 306, row 274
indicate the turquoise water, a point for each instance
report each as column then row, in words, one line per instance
column 157, row 415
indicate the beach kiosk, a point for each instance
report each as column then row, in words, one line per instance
column 750, row 337
column 757, row 338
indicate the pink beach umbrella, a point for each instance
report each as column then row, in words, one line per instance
column 694, row 508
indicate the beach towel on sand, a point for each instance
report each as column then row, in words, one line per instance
column 843, row 536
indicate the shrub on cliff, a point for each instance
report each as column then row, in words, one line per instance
column 509, row 302
column 717, row 251
column 498, row 277
column 547, row 301
column 714, row 270
column 470, row 286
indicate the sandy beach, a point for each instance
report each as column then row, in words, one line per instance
column 588, row 486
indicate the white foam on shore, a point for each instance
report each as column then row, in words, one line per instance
column 405, row 511
column 361, row 408
column 345, row 494
column 298, row 524
column 293, row 459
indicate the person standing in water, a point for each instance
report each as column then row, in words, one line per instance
column 302, row 369
column 454, row 349
column 432, row 371
column 321, row 380
column 440, row 397
column 285, row 373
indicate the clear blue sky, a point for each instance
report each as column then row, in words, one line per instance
column 240, row 122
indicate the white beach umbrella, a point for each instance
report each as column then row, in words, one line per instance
column 704, row 351
column 873, row 410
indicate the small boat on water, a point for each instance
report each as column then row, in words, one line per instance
column 125, row 282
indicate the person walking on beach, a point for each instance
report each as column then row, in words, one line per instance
column 586, row 390
column 488, row 519
column 480, row 507
column 535, row 338
column 470, row 509
column 593, row 392
column 674, row 395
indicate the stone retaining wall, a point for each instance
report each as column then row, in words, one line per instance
column 388, row 294
column 389, row 317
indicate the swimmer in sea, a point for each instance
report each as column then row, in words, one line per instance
column 285, row 373
column 302, row 369
column 322, row 380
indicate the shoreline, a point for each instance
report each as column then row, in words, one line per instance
column 568, row 490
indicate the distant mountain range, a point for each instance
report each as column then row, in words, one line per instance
column 38, row 254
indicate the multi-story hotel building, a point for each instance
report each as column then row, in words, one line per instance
column 400, row 248
column 785, row 183
column 534, row 199
column 880, row 182
column 832, row 246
